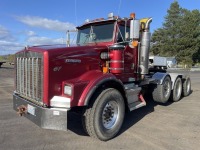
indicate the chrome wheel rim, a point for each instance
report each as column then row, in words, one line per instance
column 110, row 114
column 178, row 88
column 166, row 87
column 188, row 85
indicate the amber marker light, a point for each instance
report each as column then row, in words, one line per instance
column 132, row 15
column 105, row 69
column 135, row 43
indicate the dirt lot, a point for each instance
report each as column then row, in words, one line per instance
column 174, row 126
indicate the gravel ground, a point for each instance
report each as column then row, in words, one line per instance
column 154, row 127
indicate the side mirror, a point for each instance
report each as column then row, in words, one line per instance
column 134, row 29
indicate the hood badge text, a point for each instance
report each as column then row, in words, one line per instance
column 58, row 68
column 72, row 61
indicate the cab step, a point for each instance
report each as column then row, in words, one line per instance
column 136, row 105
column 134, row 98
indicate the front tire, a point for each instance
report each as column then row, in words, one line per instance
column 103, row 119
column 161, row 93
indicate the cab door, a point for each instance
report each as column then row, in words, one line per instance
column 130, row 53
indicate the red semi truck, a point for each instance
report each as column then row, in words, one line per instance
column 103, row 76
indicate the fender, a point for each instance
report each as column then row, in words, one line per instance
column 174, row 76
column 159, row 77
column 96, row 78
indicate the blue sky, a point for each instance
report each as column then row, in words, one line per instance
column 33, row 22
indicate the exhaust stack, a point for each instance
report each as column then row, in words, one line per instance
column 144, row 50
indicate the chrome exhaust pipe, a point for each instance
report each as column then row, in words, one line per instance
column 145, row 46
column 147, row 26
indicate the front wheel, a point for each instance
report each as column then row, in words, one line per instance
column 104, row 118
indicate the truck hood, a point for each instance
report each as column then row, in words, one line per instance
column 61, row 51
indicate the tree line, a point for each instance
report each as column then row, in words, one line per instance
column 8, row 58
column 179, row 35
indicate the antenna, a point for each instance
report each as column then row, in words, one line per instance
column 68, row 38
column 120, row 2
column 75, row 13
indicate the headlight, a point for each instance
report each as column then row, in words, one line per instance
column 68, row 90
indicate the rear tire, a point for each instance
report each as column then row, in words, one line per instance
column 161, row 93
column 186, row 87
column 103, row 119
column 176, row 93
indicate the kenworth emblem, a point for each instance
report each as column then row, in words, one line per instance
column 73, row 61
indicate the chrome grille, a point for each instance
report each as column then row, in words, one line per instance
column 29, row 79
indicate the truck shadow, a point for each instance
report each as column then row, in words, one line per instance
column 75, row 124
column 131, row 118
column 135, row 116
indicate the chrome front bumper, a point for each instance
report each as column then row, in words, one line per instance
column 48, row 118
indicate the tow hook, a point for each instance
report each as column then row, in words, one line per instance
column 21, row 110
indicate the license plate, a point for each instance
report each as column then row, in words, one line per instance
column 31, row 109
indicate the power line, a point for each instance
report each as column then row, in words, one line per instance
column 9, row 50
column 12, row 46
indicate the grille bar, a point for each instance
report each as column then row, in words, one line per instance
column 29, row 78
column 26, row 70
column 33, row 96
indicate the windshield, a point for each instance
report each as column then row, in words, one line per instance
column 95, row 33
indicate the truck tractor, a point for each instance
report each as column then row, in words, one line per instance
column 102, row 76
column 1, row 63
